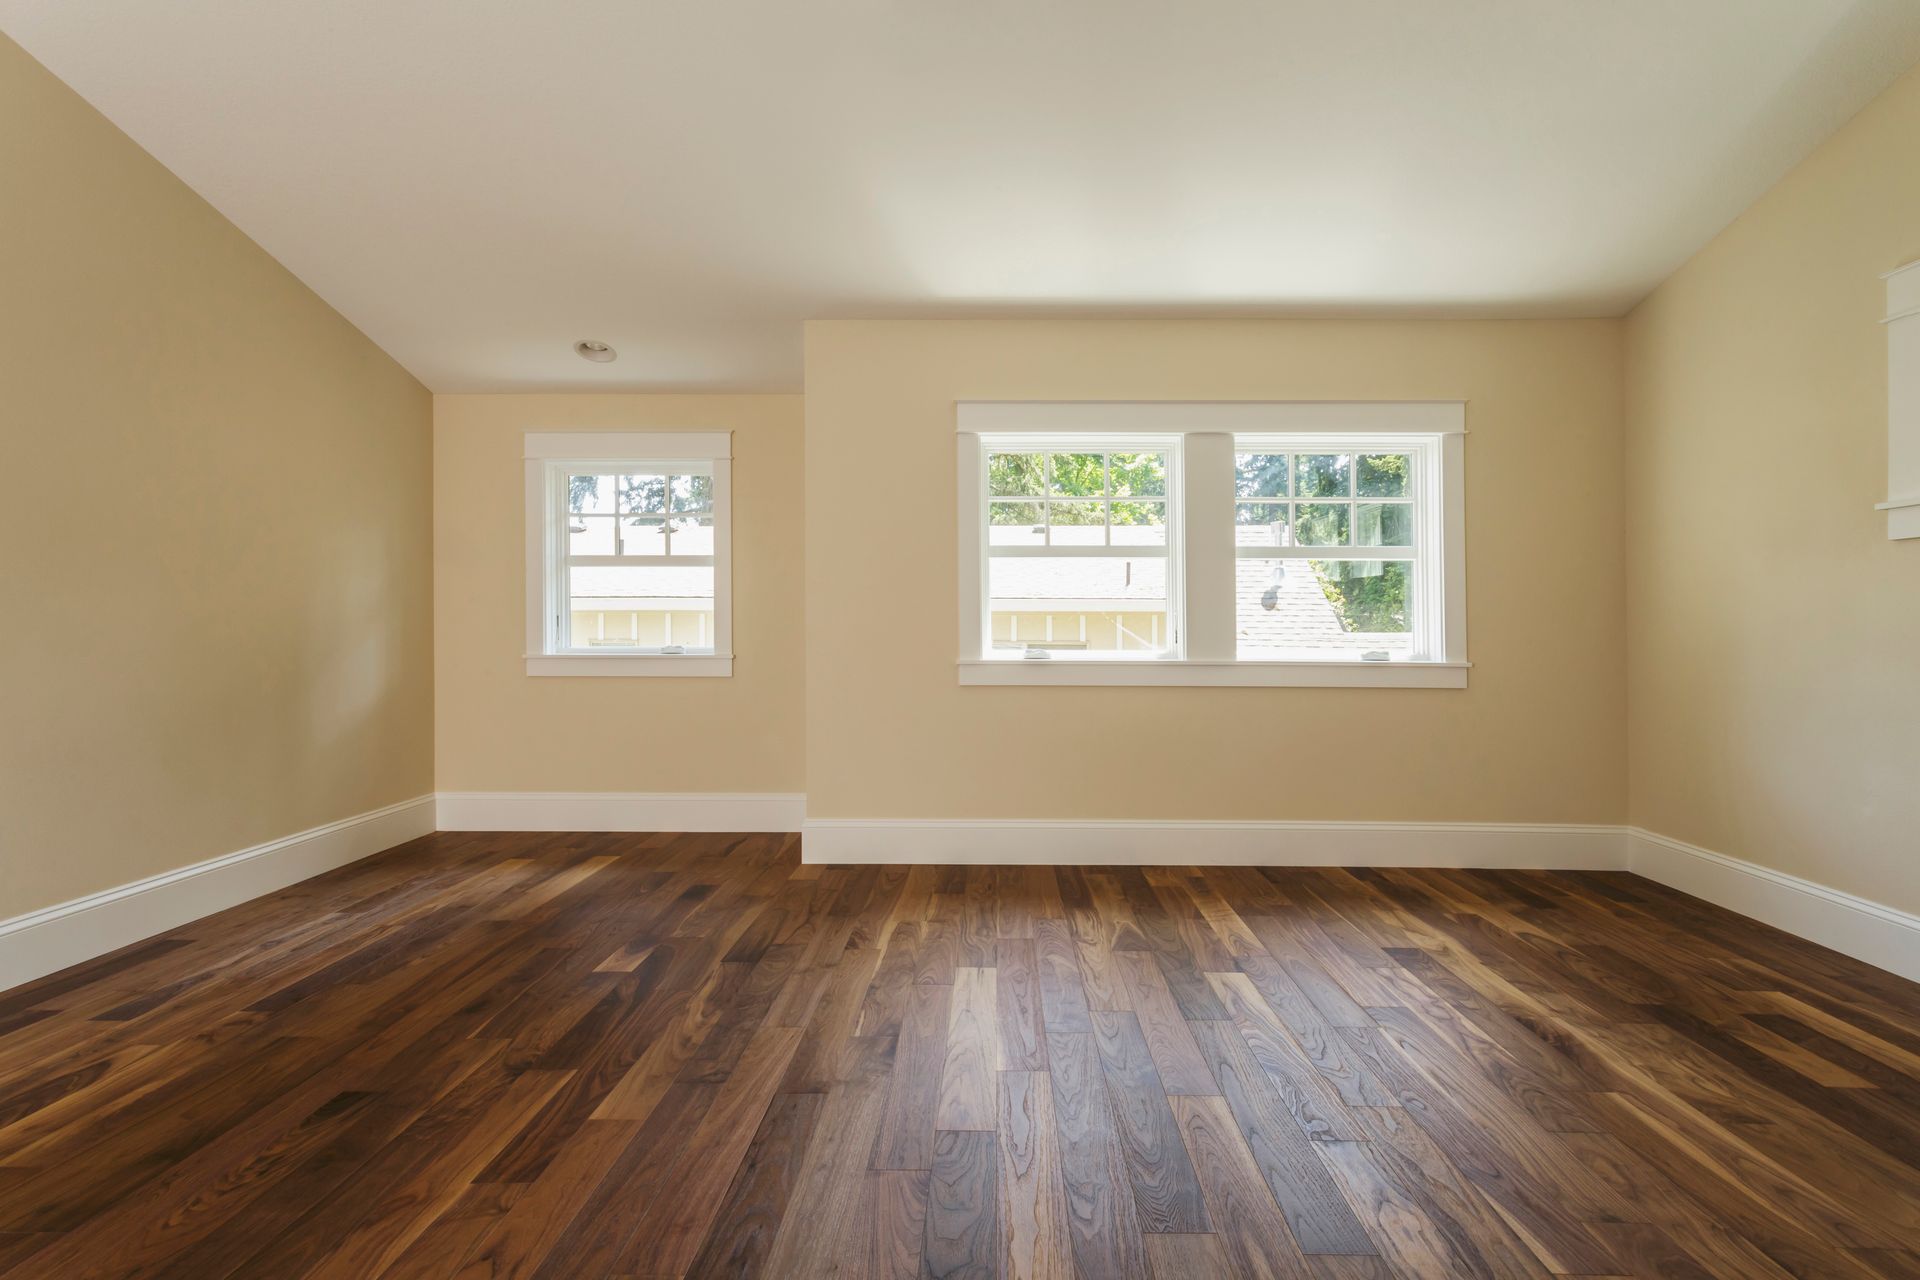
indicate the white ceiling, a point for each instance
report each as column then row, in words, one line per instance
column 477, row 183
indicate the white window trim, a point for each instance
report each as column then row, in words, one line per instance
column 1207, row 656
column 1233, row 417
column 548, row 453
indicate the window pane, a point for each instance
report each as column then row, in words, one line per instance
column 1139, row 524
column 1383, row 475
column 1138, row 475
column 1260, row 524
column 692, row 493
column 590, row 493
column 1077, row 475
column 1320, row 525
column 641, row 607
column 1094, row 605
column 1371, row 596
column 1260, row 475
column 643, row 493
column 643, row 536
column 590, row 535
column 1322, row 475
column 1078, row 524
column 691, row 536
column 1016, row 524
column 1383, row 524
column 1018, row 474
column 1339, row 609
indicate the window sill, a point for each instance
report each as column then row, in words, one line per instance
column 1325, row 675
column 630, row 664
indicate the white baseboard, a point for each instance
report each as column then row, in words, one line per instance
column 1859, row 927
column 1565, row 847
column 1854, row 926
column 44, row 941
column 41, row 942
column 620, row 811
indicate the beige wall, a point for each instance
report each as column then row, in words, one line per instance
column 1539, row 735
column 1775, row 632
column 205, row 457
column 498, row 729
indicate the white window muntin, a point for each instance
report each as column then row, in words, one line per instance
column 551, row 457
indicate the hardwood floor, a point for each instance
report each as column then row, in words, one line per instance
column 665, row 1056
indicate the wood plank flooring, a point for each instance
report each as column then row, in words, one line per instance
column 580, row 1056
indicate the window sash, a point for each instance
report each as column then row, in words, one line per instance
column 622, row 520
column 1070, row 551
column 557, row 638
column 1425, row 495
column 977, row 510
column 1326, row 553
column 1050, row 499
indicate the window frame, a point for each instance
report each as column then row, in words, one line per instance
column 1169, row 550
column 1207, row 436
column 1426, row 496
column 550, row 457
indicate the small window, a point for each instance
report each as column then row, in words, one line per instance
column 628, row 569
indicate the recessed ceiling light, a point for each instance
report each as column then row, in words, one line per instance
column 598, row 352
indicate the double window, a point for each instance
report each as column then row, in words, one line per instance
column 1212, row 544
column 628, row 553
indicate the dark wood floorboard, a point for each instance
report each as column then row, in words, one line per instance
column 576, row 1056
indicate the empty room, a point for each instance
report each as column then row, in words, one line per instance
column 903, row 640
